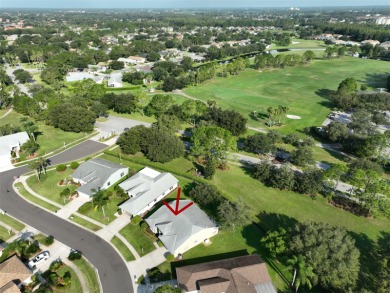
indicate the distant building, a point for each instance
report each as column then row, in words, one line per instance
column 371, row 42
column 383, row 20
column 244, row 274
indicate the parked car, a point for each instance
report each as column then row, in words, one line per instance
column 39, row 258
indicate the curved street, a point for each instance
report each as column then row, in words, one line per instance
column 113, row 272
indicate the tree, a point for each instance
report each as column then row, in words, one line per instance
column 335, row 172
column 276, row 242
column 233, row 216
column 212, row 141
column 153, row 56
column 336, row 131
column 65, row 193
column 30, row 147
column 308, row 56
column 159, row 105
column 303, row 156
column 193, row 110
column 88, row 90
column 259, row 143
column 35, row 166
column 309, row 182
column 163, row 146
column 210, row 167
column 168, row 123
column 206, row 196
column 347, row 86
column 140, row 99
column 117, row 65
column 30, row 127
column 130, row 140
column 302, row 272
column 22, row 75
column 263, row 171
column 330, row 251
column 282, row 178
column 228, row 119
column 100, row 199
column 72, row 118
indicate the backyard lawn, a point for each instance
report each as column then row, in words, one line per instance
column 138, row 239
column 305, row 89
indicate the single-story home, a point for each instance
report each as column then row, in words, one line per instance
column 13, row 274
column 97, row 174
column 114, row 82
column 182, row 232
column 145, row 189
column 12, row 142
column 244, row 274
column 132, row 60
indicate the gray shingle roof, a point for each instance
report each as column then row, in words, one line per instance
column 95, row 173
column 177, row 229
column 144, row 189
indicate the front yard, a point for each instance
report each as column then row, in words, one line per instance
column 142, row 243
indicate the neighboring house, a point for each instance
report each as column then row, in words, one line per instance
column 13, row 274
column 145, row 189
column 181, row 232
column 114, row 82
column 244, row 274
column 136, row 59
column 12, row 142
column 97, row 174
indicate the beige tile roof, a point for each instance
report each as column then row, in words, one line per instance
column 10, row 288
column 13, row 269
column 233, row 275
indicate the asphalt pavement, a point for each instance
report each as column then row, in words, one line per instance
column 113, row 273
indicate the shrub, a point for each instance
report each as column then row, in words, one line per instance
column 74, row 255
column 33, row 248
column 48, row 240
column 364, row 87
column 56, row 265
column 144, row 225
column 74, row 165
column 85, row 208
column 170, row 257
column 136, row 220
column 61, row 167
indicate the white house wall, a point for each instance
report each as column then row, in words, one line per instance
column 115, row 177
column 196, row 239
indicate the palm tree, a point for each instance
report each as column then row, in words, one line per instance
column 43, row 164
column 302, row 272
column 30, row 127
column 36, row 166
column 65, row 193
column 100, row 200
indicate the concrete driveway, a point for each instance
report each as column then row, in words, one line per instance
column 117, row 125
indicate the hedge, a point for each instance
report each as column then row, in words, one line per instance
column 74, row 165
column 61, row 167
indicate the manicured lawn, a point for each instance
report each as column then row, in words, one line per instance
column 74, row 286
column 302, row 44
column 89, row 275
column 15, row 224
column 138, row 239
column 48, row 185
column 89, row 225
column 126, row 253
column 305, row 89
column 110, row 209
column 34, row 199
column 4, row 235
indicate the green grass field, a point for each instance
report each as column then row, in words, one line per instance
column 138, row 239
column 305, row 89
column 15, row 224
column 89, row 275
column 47, row 186
column 75, row 285
column 302, row 44
column 5, row 234
column 126, row 253
column 86, row 224
column 34, row 199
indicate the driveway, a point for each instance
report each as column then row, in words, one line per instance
column 113, row 272
column 118, row 124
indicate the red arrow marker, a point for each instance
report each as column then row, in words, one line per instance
column 176, row 211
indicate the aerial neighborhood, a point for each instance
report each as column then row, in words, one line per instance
column 193, row 149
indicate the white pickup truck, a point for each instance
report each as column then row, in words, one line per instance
column 38, row 259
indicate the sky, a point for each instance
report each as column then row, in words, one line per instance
column 182, row 3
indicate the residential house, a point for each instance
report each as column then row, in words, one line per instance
column 145, row 189
column 182, row 232
column 97, row 174
column 13, row 274
column 11, row 143
column 132, row 60
column 114, row 81
column 371, row 42
column 244, row 274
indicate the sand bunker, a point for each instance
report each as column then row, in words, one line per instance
column 293, row 117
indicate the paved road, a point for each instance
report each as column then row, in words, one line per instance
column 118, row 124
column 113, row 272
column 10, row 71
